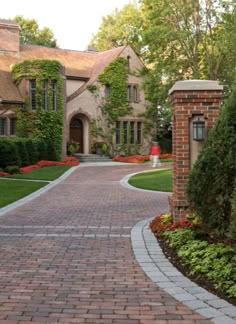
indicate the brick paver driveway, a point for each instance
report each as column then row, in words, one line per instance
column 66, row 256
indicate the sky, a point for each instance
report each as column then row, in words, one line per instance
column 73, row 22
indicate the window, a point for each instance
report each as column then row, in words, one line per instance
column 107, row 91
column 125, row 135
column 3, row 126
column 135, row 93
column 131, row 132
column 12, row 126
column 54, row 95
column 45, row 94
column 132, row 93
column 139, row 132
column 129, row 94
column 118, row 132
column 128, row 59
column 33, row 95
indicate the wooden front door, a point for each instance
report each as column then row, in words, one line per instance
column 76, row 133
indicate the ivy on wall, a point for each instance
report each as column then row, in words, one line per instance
column 115, row 104
column 115, row 76
column 43, row 124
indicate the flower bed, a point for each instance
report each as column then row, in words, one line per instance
column 138, row 158
column 211, row 264
column 44, row 163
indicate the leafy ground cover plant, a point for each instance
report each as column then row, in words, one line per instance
column 212, row 265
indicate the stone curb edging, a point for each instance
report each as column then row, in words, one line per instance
column 37, row 193
column 160, row 270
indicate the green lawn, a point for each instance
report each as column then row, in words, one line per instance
column 158, row 180
column 12, row 190
column 46, row 173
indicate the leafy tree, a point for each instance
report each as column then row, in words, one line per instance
column 188, row 36
column 31, row 34
column 184, row 39
column 120, row 28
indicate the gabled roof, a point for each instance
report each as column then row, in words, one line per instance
column 87, row 65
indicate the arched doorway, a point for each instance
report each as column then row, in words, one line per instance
column 76, row 133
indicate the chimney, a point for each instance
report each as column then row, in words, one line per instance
column 9, row 36
column 91, row 49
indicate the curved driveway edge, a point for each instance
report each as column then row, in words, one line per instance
column 159, row 269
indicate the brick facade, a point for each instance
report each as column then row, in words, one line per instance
column 190, row 100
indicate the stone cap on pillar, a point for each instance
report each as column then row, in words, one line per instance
column 196, row 85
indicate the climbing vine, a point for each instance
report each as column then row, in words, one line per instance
column 115, row 104
column 115, row 76
column 41, row 123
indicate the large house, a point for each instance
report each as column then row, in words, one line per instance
column 81, row 95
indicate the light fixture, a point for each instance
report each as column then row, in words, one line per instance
column 198, row 130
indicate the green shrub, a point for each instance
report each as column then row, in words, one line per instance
column 32, row 150
column 8, row 153
column 72, row 148
column 22, row 151
column 52, row 152
column 212, row 178
column 42, row 149
column 12, row 169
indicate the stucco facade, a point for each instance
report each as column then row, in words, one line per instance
column 80, row 70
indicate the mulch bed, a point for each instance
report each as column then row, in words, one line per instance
column 200, row 280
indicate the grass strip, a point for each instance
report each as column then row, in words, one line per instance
column 11, row 191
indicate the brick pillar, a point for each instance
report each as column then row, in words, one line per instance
column 190, row 100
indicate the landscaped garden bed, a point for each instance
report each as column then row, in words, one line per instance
column 205, row 260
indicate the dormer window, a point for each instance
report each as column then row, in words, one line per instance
column 128, row 60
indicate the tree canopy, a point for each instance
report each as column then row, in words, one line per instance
column 184, row 39
column 31, row 34
column 120, row 28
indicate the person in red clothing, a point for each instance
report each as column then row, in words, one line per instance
column 155, row 153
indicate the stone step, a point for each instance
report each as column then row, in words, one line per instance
column 91, row 158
